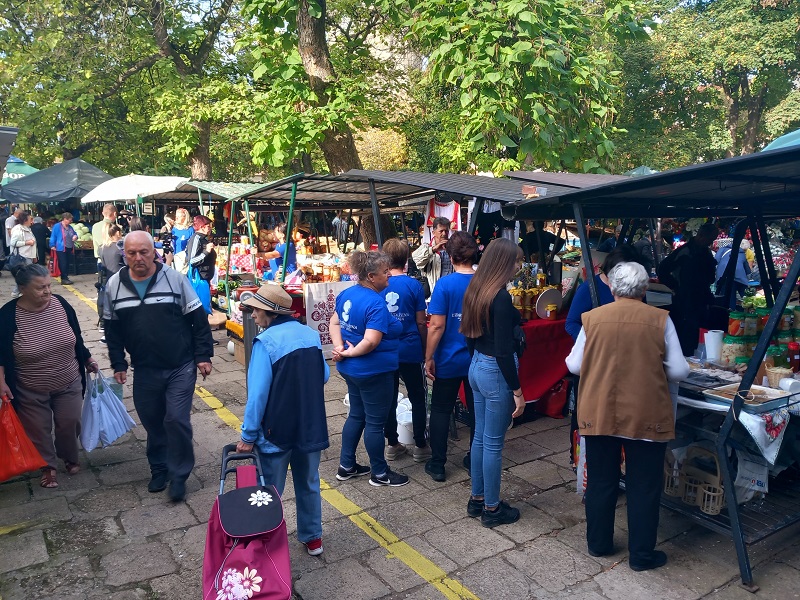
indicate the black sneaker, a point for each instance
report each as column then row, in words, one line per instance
column 158, row 483
column 502, row 516
column 435, row 471
column 177, row 490
column 389, row 478
column 474, row 507
column 66, row 282
column 344, row 474
column 657, row 559
column 467, row 463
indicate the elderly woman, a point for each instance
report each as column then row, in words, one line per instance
column 365, row 348
column 626, row 354
column 23, row 242
column 42, row 368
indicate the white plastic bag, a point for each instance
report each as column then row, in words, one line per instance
column 580, row 484
column 751, row 476
column 105, row 418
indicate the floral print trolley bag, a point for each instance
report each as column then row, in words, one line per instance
column 247, row 548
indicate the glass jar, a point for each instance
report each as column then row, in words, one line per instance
column 784, row 337
column 750, row 325
column 785, row 324
column 750, row 343
column 736, row 324
column 763, row 316
column 794, row 356
column 782, row 356
column 552, row 311
column 742, row 360
column 732, row 347
column 796, row 315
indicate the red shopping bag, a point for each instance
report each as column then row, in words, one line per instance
column 17, row 454
column 54, row 270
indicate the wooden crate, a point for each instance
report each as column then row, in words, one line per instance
column 238, row 351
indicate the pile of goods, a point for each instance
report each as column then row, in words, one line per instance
column 528, row 286
column 84, row 236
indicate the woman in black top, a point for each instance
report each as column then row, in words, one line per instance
column 491, row 325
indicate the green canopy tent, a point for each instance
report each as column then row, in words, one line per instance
column 785, row 141
column 16, row 168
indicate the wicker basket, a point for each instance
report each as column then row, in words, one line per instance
column 775, row 374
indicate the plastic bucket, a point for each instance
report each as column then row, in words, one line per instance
column 405, row 429
column 346, row 402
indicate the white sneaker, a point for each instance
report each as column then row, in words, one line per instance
column 392, row 452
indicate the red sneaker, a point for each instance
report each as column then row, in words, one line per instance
column 314, row 547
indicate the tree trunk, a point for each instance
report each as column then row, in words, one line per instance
column 755, row 109
column 731, row 100
column 338, row 145
column 367, row 229
column 200, row 158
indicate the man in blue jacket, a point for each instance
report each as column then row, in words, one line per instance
column 285, row 412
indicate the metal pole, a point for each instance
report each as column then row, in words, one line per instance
column 289, row 236
column 587, row 254
column 656, row 250
column 228, row 265
column 762, row 233
column 200, row 200
column 476, row 212
column 376, row 214
column 347, row 230
column 758, row 242
column 538, row 226
column 250, row 235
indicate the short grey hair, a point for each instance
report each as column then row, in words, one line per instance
column 628, row 280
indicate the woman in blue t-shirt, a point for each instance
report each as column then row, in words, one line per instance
column 365, row 348
column 405, row 299
column 446, row 355
column 276, row 256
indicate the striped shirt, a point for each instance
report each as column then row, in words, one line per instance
column 44, row 349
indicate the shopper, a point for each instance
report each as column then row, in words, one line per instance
column 285, row 411
column 615, row 414
column 433, row 259
column 111, row 250
column 43, row 364
column 365, row 348
column 137, row 320
column 406, row 302
column 100, row 229
column 23, row 242
column 202, row 257
column 689, row 271
column 63, row 239
column 446, row 356
column 42, row 234
column 276, row 256
column 494, row 335
column 182, row 230
column 11, row 220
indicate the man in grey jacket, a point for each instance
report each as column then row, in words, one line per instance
column 432, row 259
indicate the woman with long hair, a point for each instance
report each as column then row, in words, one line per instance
column 491, row 325
column 182, row 230
column 365, row 349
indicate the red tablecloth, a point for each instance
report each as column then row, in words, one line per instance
column 542, row 365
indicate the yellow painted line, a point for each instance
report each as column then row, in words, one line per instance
column 12, row 528
column 422, row 566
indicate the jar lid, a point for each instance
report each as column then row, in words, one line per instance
column 736, row 315
column 793, row 346
column 741, row 360
column 763, row 311
column 733, row 339
column 552, row 307
column 773, row 350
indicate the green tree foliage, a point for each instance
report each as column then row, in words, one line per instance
column 535, row 84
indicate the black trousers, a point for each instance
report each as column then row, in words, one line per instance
column 64, row 260
column 644, row 470
column 163, row 400
column 443, row 401
column 412, row 376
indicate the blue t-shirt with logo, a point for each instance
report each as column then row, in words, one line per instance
column 404, row 297
column 360, row 308
column 451, row 356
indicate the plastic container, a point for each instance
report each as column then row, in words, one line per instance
column 736, row 324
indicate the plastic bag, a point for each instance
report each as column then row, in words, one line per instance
column 201, row 288
column 580, row 484
column 18, row 455
column 104, row 418
column 751, row 476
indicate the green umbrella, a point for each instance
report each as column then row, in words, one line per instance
column 16, row 168
column 785, row 141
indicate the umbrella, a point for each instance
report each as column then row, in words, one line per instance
column 785, row 141
column 16, row 168
column 131, row 187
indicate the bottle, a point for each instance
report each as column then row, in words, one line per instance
column 794, row 356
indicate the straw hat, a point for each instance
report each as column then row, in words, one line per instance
column 272, row 298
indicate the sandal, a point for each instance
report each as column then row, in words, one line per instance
column 48, row 479
column 72, row 468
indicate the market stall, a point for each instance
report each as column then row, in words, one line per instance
column 737, row 472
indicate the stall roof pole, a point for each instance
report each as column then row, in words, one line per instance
column 376, row 214
column 228, row 264
column 762, row 233
column 289, row 236
column 250, row 235
column 476, row 212
column 758, row 242
column 587, row 254
column 538, row 226
column 200, row 200
column 656, row 249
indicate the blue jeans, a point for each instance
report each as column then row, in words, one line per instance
column 494, row 403
column 305, row 474
column 370, row 401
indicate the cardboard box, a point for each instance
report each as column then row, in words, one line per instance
column 238, row 351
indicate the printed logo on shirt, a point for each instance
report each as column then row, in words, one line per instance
column 346, row 311
column 456, row 316
column 391, row 302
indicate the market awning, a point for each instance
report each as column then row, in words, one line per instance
column 564, row 180
column 71, row 179
column 16, row 168
column 131, row 187
column 766, row 183
column 188, row 193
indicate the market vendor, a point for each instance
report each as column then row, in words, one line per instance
column 530, row 243
column 624, row 402
column 742, row 273
column 276, row 256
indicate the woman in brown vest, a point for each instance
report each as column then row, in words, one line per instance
column 626, row 354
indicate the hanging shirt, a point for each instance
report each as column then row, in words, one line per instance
column 451, row 356
column 404, row 297
column 360, row 308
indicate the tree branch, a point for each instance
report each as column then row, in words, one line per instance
column 139, row 65
column 212, row 31
column 162, row 37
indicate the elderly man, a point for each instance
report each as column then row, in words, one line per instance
column 100, row 229
column 10, row 222
column 432, row 259
column 627, row 353
column 144, row 303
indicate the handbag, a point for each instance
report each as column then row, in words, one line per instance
column 201, row 288
column 54, row 270
column 18, row 455
column 16, row 260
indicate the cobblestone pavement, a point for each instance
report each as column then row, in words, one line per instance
column 101, row 535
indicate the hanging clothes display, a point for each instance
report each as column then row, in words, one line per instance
column 491, row 224
column 437, row 208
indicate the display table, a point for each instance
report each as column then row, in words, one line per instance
column 542, row 365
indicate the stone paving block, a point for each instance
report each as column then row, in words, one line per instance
column 149, row 520
column 334, row 407
column 116, row 453
column 80, row 538
column 392, row 570
column 178, row 586
column 15, row 492
column 188, row 546
column 406, row 516
column 775, row 580
column 495, row 578
column 353, row 491
column 343, row 579
column 201, row 501
column 62, row 578
column 68, row 485
column 133, row 471
column 695, row 569
column 543, row 474
column 384, row 495
column 524, row 449
column 432, row 553
column 562, row 504
column 543, row 423
column 22, row 550
column 532, row 524
column 670, row 524
column 343, row 538
column 552, row 565
column 448, row 503
column 137, row 562
column 575, row 538
column 583, row 591
column 620, row 583
column 516, row 489
column 556, row 439
column 39, row 511
column 467, row 541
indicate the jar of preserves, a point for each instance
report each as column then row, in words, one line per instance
column 783, row 338
column 732, row 347
column 794, row 356
column 763, row 316
column 782, row 356
column 750, row 324
column 736, row 324
column 750, row 342
column 551, row 312
column 785, row 324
